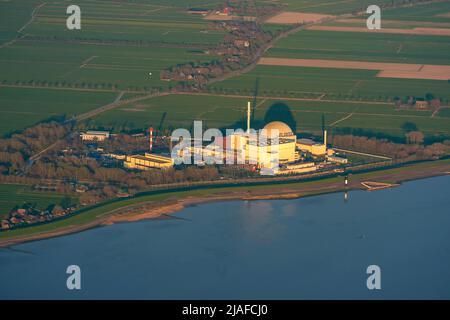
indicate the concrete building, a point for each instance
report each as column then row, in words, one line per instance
column 147, row 162
column 286, row 140
column 95, row 136
column 274, row 144
column 314, row 148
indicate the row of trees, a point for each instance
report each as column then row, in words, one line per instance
column 19, row 147
column 408, row 152
column 62, row 84
column 84, row 86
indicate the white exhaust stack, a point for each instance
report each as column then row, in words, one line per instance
column 248, row 116
column 325, row 139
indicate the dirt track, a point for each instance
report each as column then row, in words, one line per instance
column 387, row 70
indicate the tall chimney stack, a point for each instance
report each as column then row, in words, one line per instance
column 248, row 116
column 151, row 139
column 325, row 139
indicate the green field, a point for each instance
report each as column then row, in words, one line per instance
column 425, row 12
column 229, row 112
column 73, row 63
column 127, row 44
column 335, row 83
column 330, row 7
column 127, row 20
column 14, row 15
column 12, row 195
column 180, row 110
column 380, row 47
column 119, row 43
column 20, row 108
column 165, row 21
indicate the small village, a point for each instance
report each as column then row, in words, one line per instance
column 27, row 214
column 241, row 45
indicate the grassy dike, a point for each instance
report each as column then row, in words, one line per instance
column 94, row 216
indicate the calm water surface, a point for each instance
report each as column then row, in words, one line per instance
column 311, row 248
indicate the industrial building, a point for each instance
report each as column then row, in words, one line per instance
column 147, row 162
column 95, row 136
column 314, row 148
column 302, row 167
column 274, row 148
column 274, row 145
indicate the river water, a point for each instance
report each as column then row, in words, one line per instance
column 312, row 248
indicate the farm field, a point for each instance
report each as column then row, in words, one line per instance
column 229, row 112
column 115, row 44
column 334, row 83
column 13, row 16
column 121, row 46
column 352, row 46
column 12, row 195
column 158, row 21
column 394, row 24
column 435, row 12
column 180, row 111
column 330, row 7
column 126, row 21
column 381, row 47
column 20, row 107
column 73, row 63
column 127, row 44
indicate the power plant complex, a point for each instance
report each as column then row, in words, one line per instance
column 275, row 147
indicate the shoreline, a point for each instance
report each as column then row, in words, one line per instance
column 155, row 209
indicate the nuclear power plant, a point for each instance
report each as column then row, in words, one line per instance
column 275, row 146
